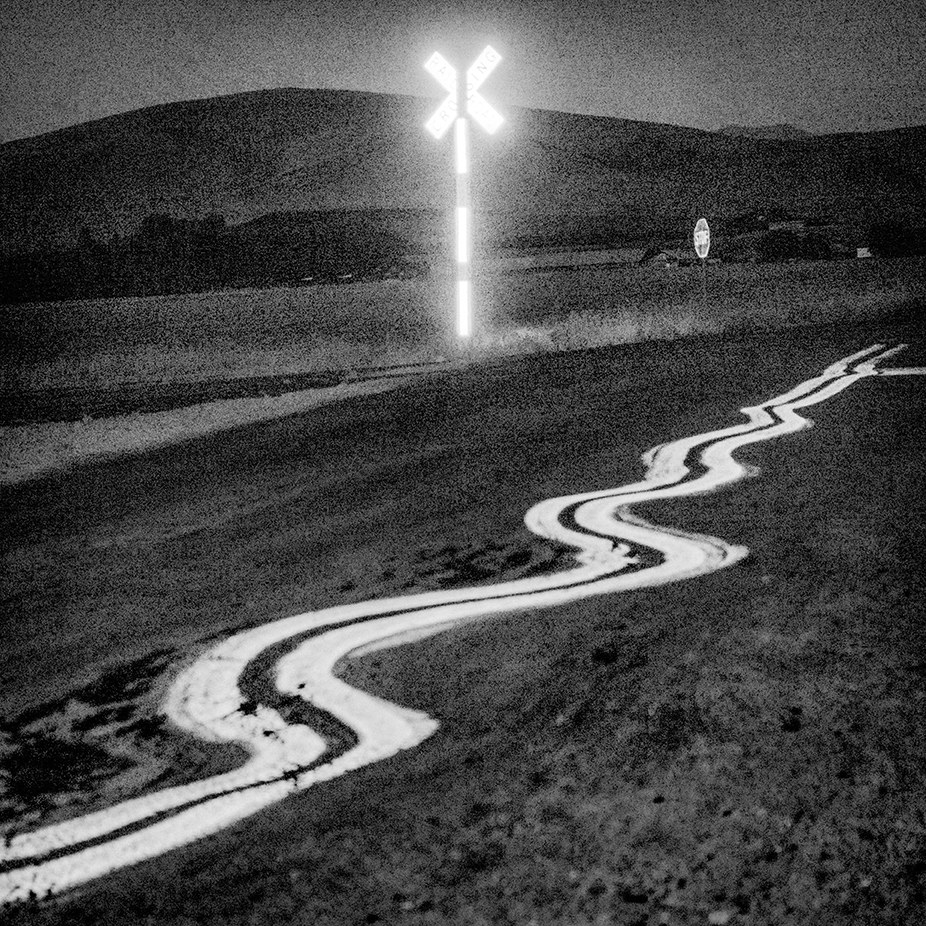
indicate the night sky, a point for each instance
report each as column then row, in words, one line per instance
column 830, row 65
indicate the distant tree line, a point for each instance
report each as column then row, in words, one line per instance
column 747, row 237
column 788, row 245
column 172, row 255
column 892, row 239
column 885, row 239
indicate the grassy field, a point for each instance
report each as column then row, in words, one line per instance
column 260, row 332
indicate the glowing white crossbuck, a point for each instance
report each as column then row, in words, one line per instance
column 476, row 104
column 447, row 114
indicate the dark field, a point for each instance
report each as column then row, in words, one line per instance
column 743, row 748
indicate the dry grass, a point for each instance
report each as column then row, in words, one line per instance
column 632, row 305
column 278, row 331
column 34, row 450
column 223, row 359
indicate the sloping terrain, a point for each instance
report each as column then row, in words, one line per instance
column 742, row 748
column 253, row 154
column 781, row 131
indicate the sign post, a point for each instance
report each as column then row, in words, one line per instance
column 702, row 244
column 451, row 113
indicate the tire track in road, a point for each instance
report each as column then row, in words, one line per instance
column 206, row 699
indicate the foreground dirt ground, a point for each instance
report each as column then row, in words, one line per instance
column 744, row 748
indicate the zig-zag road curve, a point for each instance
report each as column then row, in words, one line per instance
column 206, row 699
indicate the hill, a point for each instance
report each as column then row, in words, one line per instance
column 254, row 155
column 779, row 132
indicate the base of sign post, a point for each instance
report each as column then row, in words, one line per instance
column 704, row 285
column 460, row 350
column 464, row 309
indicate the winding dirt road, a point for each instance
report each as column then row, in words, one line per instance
column 616, row 551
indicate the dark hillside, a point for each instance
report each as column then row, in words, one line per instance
column 254, row 154
column 780, row 131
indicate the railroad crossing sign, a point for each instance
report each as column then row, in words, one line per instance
column 702, row 238
column 476, row 104
column 447, row 114
column 446, row 75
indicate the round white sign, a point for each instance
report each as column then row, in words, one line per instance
column 702, row 238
